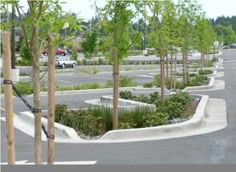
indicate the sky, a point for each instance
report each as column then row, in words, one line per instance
column 213, row 8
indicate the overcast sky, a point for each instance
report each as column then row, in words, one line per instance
column 213, row 8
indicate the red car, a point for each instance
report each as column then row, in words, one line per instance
column 58, row 52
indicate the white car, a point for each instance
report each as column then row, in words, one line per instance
column 62, row 61
column 43, row 59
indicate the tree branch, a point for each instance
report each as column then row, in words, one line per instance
column 23, row 27
column 40, row 9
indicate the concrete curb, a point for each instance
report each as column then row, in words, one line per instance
column 84, row 91
column 60, row 130
column 152, row 132
column 123, row 104
column 64, row 134
column 209, row 86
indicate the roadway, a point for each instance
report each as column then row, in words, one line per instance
column 213, row 148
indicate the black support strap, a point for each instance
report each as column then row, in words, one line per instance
column 7, row 82
column 33, row 110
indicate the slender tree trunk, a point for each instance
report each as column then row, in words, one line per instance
column 51, row 99
column 167, row 70
column 115, row 88
column 184, row 54
column 36, row 97
column 8, row 99
column 207, row 57
column 171, row 68
column 162, row 76
column 202, row 60
column 175, row 62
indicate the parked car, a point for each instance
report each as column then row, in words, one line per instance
column 62, row 61
column 68, row 51
column 232, row 45
column 59, row 51
column 43, row 59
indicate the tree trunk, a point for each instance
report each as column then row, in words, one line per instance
column 184, row 54
column 51, row 99
column 36, row 97
column 175, row 61
column 202, row 60
column 167, row 70
column 162, row 76
column 171, row 68
column 115, row 88
column 8, row 99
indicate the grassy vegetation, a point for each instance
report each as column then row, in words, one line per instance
column 97, row 121
column 193, row 80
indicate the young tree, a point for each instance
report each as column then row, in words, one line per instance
column 116, row 16
column 160, row 36
column 188, row 11
column 89, row 44
column 42, row 21
column 204, row 37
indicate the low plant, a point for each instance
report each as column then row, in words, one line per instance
column 205, row 72
column 124, row 81
column 197, row 81
column 89, row 70
column 155, row 119
column 97, row 121
column 24, row 88
column 60, row 112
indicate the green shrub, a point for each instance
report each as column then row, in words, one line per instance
column 181, row 97
column 148, row 85
column 126, row 81
column 25, row 88
column 89, row 86
column 197, row 81
column 173, row 109
column 155, row 119
column 176, row 105
column 192, row 75
column 126, row 95
column 100, row 61
column 97, row 121
column 74, row 55
column 126, row 125
column 105, row 113
column 23, row 62
column 205, row 72
column 89, row 70
column 134, row 117
column 60, row 112
column 84, row 62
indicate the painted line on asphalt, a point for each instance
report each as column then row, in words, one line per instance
column 24, row 162
column 229, row 61
column 146, row 76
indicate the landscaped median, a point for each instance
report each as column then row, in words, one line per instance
column 67, row 134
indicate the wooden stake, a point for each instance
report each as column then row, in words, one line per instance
column 115, row 89
column 162, row 76
column 8, row 98
column 51, row 100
